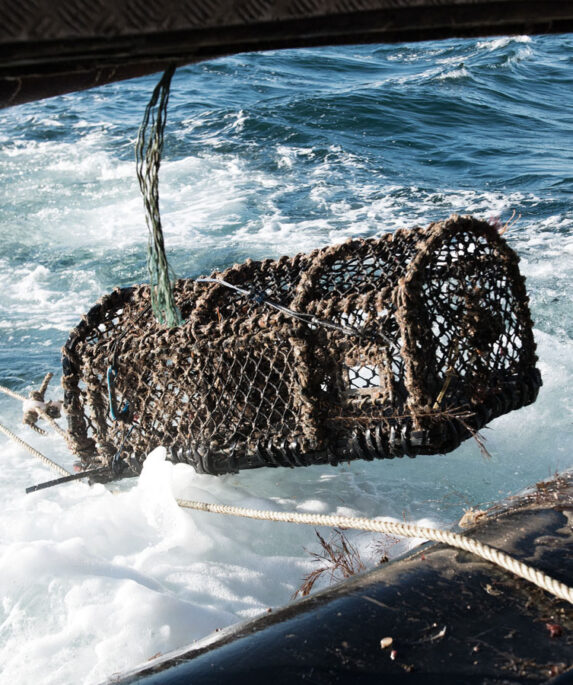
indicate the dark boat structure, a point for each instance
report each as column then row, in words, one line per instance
column 437, row 615
column 50, row 47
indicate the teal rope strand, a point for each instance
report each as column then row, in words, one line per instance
column 148, row 150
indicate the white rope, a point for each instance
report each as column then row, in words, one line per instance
column 52, row 464
column 13, row 393
column 38, row 409
column 407, row 530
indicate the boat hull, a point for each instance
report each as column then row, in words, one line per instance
column 452, row 617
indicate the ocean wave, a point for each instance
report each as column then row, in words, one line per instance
column 502, row 43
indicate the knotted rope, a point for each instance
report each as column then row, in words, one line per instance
column 37, row 406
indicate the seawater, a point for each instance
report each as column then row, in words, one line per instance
column 265, row 154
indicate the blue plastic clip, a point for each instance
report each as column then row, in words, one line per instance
column 114, row 414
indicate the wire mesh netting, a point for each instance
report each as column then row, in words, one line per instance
column 400, row 345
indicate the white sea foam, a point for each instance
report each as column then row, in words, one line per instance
column 46, row 299
column 499, row 43
column 132, row 574
column 454, row 74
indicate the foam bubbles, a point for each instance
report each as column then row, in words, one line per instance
column 500, row 43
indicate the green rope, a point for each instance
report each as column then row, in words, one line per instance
column 148, row 154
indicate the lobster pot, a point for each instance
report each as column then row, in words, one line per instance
column 399, row 345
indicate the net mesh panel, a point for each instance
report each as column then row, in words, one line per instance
column 417, row 339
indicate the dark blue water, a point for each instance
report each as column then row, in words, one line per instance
column 265, row 154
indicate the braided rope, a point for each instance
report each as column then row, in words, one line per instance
column 39, row 410
column 148, row 153
column 47, row 378
column 407, row 530
column 52, row 464
column 36, row 429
